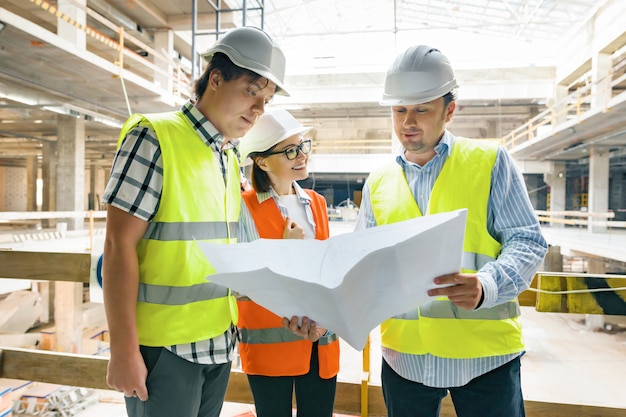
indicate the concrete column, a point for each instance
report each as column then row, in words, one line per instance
column 95, row 187
column 48, row 177
column 68, row 316
column 73, row 32
column 70, row 184
column 598, row 197
column 493, row 129
column 164, row 43
column 100, row 184
column 534, row 184
column 554, row 259
column 91, row 197
column 617, row 196
column 601, row 67
column 556, row 180
column 560, row 108
column 46, row 291
column 31, row 183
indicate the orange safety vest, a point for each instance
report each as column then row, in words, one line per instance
column 266, row 348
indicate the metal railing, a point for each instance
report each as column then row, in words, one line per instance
column 580, row 218
column 572, row 107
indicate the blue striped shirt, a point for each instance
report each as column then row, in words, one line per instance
column 510, row 220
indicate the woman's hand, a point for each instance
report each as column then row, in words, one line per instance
column 292, row 230
column 307, row 330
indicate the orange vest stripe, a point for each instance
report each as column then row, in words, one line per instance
column 281, row 356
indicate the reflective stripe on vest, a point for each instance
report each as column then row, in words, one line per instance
column 474, row 261
column 439, row 327
column 191, row 231
column 266, row 348
column 444, row 309
column 272, row 335
column 177, row 296
column 177, row 304
column 268, row 335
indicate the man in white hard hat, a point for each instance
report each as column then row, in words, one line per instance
column 467, row 340
column 175, row 181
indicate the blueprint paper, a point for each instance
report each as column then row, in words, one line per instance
column 349, row 283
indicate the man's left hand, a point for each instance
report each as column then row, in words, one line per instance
column 465, row 290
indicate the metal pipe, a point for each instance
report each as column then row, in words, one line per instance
column 194, row 24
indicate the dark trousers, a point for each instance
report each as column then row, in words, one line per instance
column 177, row 387
column 495, row 394
column 315, row 397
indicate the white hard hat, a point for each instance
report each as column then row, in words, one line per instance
column 273, row 127
column 253, row 49
column 419, row 75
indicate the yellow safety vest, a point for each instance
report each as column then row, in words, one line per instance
column 439, row 327
column 176, row 304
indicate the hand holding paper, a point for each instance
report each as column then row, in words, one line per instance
column 349, row 283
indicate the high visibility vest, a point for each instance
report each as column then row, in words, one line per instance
column 176, row 304
column 266, row 348
column 439, row 327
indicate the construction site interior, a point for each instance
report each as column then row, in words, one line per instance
column 546, row 79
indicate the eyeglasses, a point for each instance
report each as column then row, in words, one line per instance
column 292, row 152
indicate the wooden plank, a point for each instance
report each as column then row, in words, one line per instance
column 90, row 372
column 45, row 266
column 238, row 390
column 54, row 367
column 347, row 398
column 572, row 213
column 584, row 301
column 541, row 409
column 26, row 215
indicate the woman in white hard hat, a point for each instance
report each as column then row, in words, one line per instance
column 468, row 340
column 175, row 181
column 276, row 359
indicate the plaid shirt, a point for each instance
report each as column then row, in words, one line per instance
column 135, row 186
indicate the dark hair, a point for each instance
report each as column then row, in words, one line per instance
column 449, row 98
column 259, row 178
column 227, row 68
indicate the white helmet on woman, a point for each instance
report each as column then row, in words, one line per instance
column 273, row 127
column 419, row 75
column 253, row 49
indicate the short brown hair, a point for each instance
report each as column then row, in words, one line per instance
column 227, row 68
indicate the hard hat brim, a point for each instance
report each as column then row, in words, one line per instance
column 261, row 146
column 421, row 98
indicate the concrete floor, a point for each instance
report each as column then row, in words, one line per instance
column 567, row 362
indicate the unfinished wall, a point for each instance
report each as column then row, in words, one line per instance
column 13, row 189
